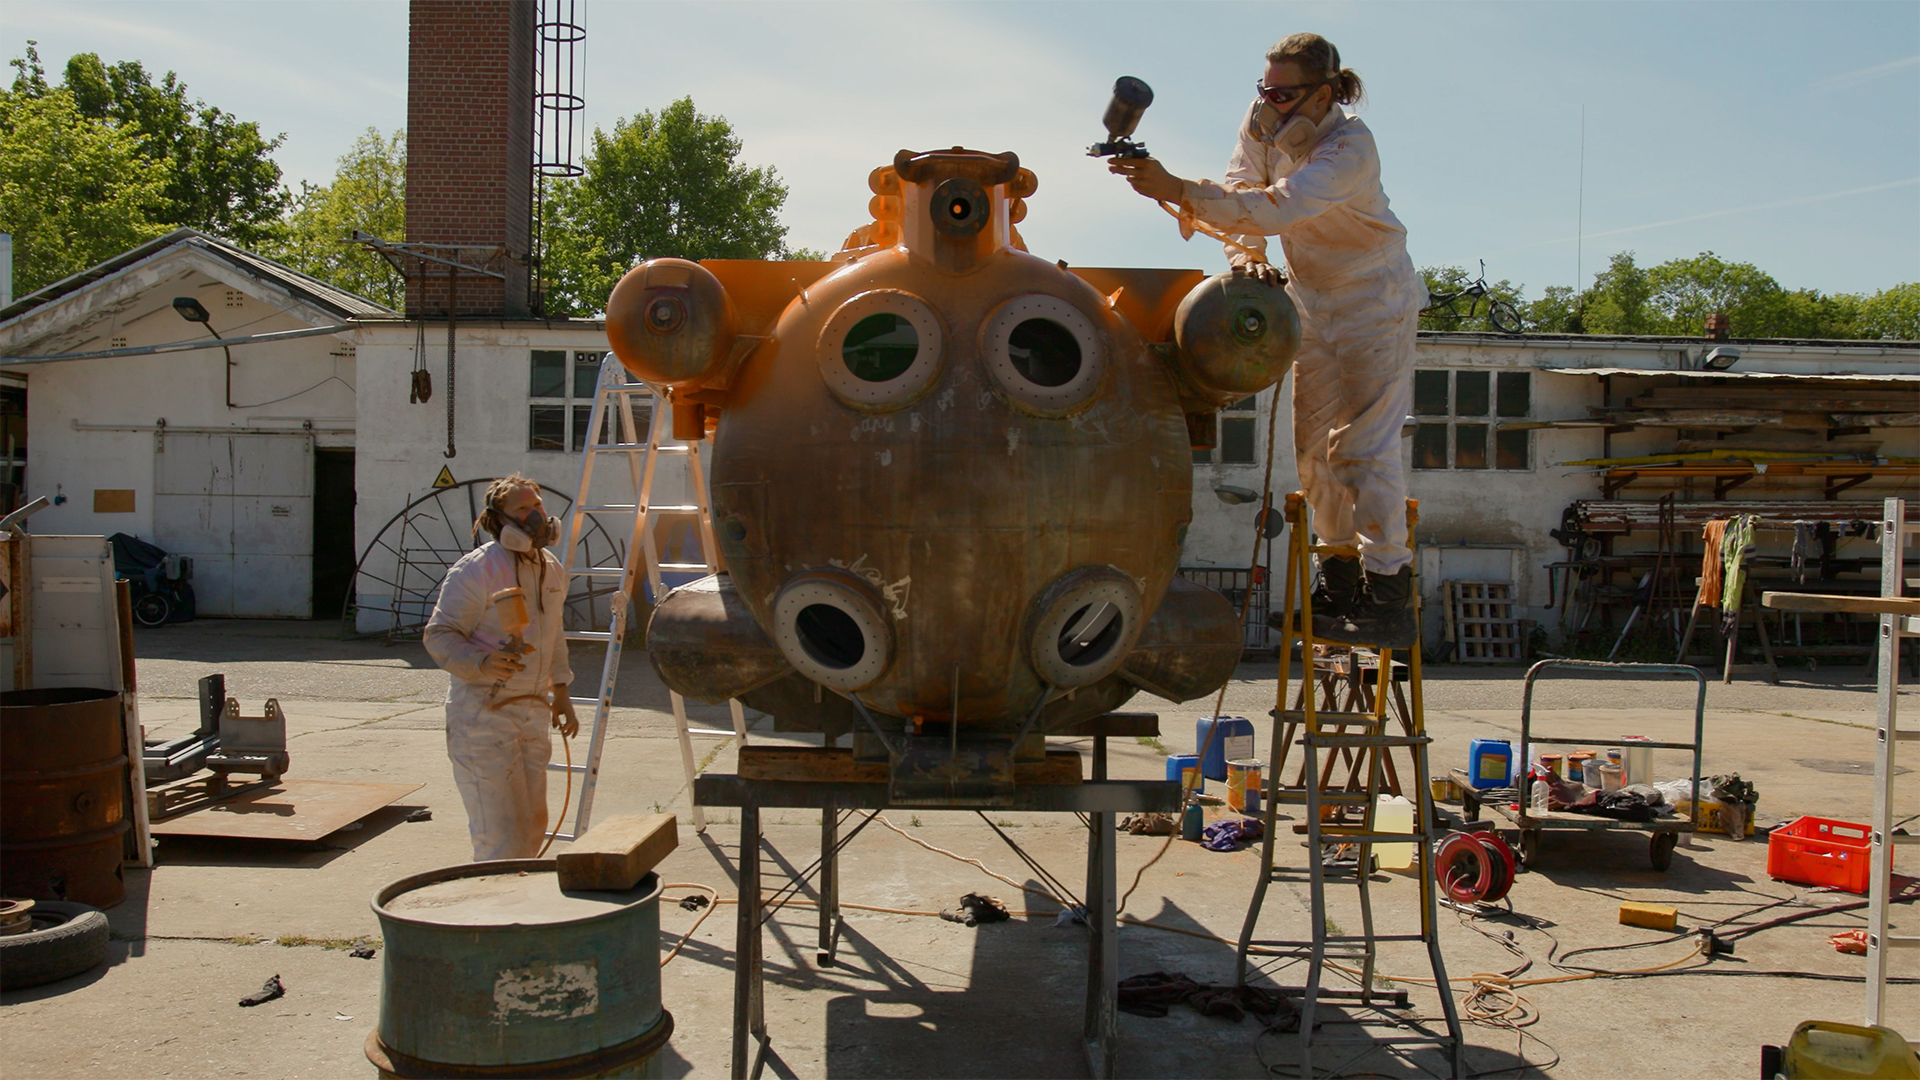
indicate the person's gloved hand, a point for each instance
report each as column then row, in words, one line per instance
column 563, row 718
column 1263, row 272
column 501, row 665
column 1149, row 178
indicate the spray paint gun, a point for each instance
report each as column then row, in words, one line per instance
column 511, row 607
column 1128, row 104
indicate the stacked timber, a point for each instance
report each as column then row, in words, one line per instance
column 1819, row 407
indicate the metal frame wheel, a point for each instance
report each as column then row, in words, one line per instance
column 1504, row 317
column 152, row 609
column 1660, row 848
column 418, row 545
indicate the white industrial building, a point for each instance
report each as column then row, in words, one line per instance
column 277, row 484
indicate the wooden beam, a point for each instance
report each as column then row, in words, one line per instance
column 616, row 853
column 1859, row 605
column 831, row 765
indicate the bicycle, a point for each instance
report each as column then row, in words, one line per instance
column 1504, row 316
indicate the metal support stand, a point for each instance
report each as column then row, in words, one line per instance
column 1099, row 798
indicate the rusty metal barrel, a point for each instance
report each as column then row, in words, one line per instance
column 63, row 783
column 492, row 970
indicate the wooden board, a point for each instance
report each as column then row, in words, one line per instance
column 1861, row 605
column 287, row 810
column 814, row 764
column 616, row 853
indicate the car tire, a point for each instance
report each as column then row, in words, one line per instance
column 66, row 940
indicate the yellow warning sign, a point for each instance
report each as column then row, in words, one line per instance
column 445, row 479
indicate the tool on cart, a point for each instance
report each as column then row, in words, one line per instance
column 224, row 744
column 1664, row 829
column 1364, row 735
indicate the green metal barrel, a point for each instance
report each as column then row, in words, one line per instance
column 491, row 970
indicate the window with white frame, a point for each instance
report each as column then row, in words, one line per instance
column 1237, row 422
column 1460, row 417
column 560, row 391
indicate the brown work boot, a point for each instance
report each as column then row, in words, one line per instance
column 1333, row 598
column 1384, row 615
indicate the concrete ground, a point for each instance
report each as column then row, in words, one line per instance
column 917, row 996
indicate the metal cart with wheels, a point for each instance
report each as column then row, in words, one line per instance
column 1663, row 831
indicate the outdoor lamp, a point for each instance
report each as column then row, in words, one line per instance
column 1721, row 358
column 193, row 311
column 1236, row 496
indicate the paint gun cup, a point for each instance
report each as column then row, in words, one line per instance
column 511, row 607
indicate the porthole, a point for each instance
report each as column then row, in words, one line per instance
column 881, row 350
column 829, row 626
column 1044, row 354
column 1083, row 626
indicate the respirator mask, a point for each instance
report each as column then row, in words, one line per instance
column 525, row 534
column 1283, row 128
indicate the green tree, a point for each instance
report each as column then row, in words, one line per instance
column 73, row 190
column 665, row 184
column 1890, row 314
column 1618, row 301
column 369, row 194
column 1560, row 311
column 222, row 179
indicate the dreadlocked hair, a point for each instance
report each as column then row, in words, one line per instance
column 493, row 518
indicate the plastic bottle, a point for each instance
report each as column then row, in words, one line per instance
column 1541, row 792
column 1393, row 814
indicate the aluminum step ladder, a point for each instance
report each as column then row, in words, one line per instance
column 1334, row 732
column 1894, row 530
column 624, row 407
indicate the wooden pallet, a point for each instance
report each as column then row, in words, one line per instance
column 1486, row 627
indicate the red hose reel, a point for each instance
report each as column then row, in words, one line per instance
column 1474, row 867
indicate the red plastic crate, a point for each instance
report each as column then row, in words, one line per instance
column 1821, row 851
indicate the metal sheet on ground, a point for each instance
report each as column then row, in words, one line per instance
column 288, row 810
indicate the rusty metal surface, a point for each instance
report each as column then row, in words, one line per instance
column 63, row 769
column 287, row 810
column 704, row 643
column 969, row 512
column 1190, row 646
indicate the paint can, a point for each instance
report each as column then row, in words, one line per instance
column 1639, row 760
column 1179, row 765
column 1577, row 763
column 490, row 970
column 1555, row 764
column 1243, row 785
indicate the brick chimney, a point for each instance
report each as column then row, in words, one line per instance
column 470, row 148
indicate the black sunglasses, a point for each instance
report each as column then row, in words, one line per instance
column 1284, row 95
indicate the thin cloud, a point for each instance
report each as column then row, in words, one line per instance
column 1804, row 200
column 1868, row 74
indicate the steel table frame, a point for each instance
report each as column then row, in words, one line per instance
column 1099, row 798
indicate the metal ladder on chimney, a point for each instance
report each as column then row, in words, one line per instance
column 1330, row 732
column 622, row 405
column 1894, row 530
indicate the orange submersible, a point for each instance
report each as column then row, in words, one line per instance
column 950, row 480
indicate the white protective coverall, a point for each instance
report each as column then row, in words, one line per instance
column 1359, row 300
column 500, row 754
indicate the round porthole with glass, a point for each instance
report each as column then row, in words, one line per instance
column 881, row 350
column 830, row 628
column 1083, row 625
column 1044, row 354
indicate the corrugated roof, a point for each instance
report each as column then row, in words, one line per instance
column 338, row 301
column 1761, row 375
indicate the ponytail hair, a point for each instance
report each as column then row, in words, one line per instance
column 1316, row 56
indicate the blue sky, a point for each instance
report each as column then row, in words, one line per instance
column 1782, row 134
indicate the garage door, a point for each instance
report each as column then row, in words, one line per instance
column 242, row 507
